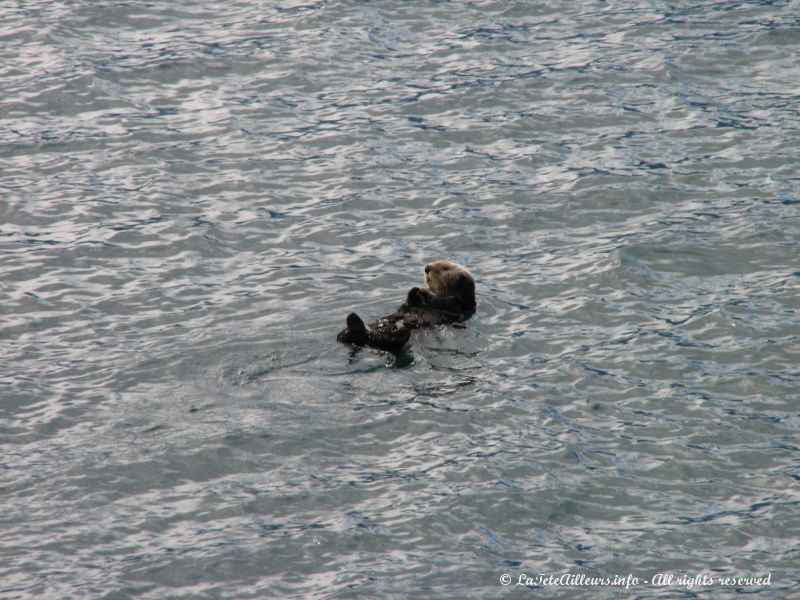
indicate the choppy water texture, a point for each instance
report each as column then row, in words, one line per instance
column 194, row 195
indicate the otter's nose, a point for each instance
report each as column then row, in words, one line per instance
column 427, row 269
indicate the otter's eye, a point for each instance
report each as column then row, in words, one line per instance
column 445, row 268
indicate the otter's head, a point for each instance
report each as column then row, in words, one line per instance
column 445, row 278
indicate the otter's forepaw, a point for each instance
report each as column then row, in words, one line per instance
column 415, row 298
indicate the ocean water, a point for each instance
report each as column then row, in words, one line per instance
column 194, row 195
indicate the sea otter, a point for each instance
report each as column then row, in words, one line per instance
column 449, row 297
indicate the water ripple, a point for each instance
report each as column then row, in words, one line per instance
column 195, row 195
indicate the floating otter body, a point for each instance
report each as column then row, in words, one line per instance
column 449, row 297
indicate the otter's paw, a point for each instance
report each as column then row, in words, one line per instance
column 355, row 332
column 415, row 298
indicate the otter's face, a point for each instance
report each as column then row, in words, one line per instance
column 443, row 277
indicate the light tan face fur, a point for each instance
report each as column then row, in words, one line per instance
column 439, row 273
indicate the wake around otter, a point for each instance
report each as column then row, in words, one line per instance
column 448, row 297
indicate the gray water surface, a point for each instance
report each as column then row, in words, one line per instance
column 194, row 195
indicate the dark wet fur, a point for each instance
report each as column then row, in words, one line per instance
column 420, row 309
